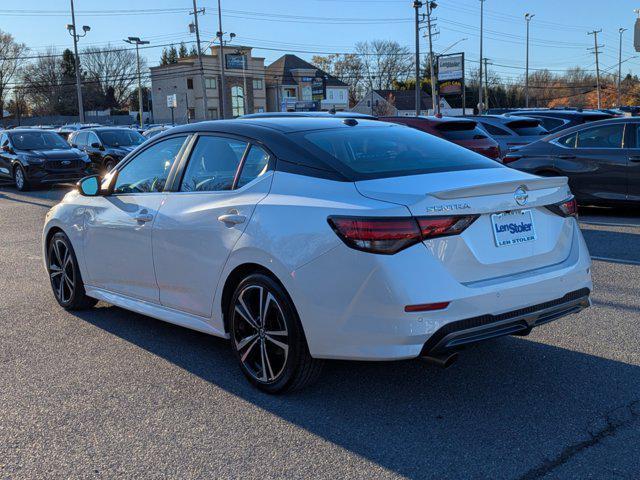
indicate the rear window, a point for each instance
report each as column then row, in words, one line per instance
column 526, row 128
column 460, row 131
column 552, row 123
column 391, row 151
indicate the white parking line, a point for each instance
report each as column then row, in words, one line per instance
column 615, row 260
column 609, row 224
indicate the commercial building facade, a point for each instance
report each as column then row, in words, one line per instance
column 294, row 84
column 177, row 90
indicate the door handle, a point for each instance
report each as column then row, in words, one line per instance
column 634, row 158
column 232, row 218
column 565, row 156
column 144, row 216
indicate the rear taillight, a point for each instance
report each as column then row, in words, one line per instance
column 510, row 157
column 567, row 208
column 389, row 235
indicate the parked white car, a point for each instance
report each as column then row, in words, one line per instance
column 302, row 239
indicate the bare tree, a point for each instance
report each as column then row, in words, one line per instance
column 12, row 57
column 346, row 67
column 383, row 62
column 113, row 69
column 46, row 88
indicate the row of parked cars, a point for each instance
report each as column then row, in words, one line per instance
column 599, row 151
column 48, row 155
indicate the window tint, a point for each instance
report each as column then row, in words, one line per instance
column 122, row 137
column 213, row 164
column 255, row 165
column 80, row 139
column 377, row 152
column 460, row 131
column 4, row 139
column 569, row 141
column 551, row 123
column 92, row 138
column 36, row 140
column 148, row 171
column 607, row 136
column 493, row 130
column 526, row 128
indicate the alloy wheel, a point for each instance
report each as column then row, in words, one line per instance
column 61, row 271
column 19, row 178
column 260, row 333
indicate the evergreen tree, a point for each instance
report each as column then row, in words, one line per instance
column 68, row 64
column 193, row 52
column 164, row 60
column 172, row 56
column 182, row 51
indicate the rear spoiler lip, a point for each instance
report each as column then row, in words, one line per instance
column 534, row 183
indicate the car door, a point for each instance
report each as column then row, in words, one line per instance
column 633, row 136
column 6, row 157
column 118, row 225
column 95, row 152
column 598, row 165
column 199, row 225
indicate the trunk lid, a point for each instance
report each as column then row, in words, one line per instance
column 474, row 255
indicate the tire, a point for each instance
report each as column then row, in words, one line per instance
column 20, row 179
column 64, row 275
column 109, row 163
column 269, row 343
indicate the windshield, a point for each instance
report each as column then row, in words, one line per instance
column 390, row 151
column 120, row 138
column 38, row 141
column 460, row 131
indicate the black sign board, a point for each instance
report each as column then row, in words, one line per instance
column 235, row 61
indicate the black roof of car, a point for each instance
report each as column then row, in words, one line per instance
column 309, row 114
column 561, row 113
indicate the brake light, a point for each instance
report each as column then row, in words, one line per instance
column 426, row 307
column 389, row 235
column 508, row 158
column 567, row 208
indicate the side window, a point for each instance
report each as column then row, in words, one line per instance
column 80, row 139
column 148, row 171
column 255, row 165
column 4, row 140
column 493, row 130
column 551, row 123
column 606, row 136
column 568, row 141
column 213, row 164
column 92, row 138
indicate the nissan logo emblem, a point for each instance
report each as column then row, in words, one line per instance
column 520, row 195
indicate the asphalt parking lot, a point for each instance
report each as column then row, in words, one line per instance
column 107, row 393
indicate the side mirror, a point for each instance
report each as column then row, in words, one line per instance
column 95, row 145
column 89, row 186
column 7, row 148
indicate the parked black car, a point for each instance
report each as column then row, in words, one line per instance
column 601, row 160
column 106, row 146
column 556, row 120
column 32, row 157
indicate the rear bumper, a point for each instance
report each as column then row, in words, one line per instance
column 455, row 335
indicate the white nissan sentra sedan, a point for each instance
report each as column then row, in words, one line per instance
column 303, row 239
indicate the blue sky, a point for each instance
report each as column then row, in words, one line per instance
column 558, row 32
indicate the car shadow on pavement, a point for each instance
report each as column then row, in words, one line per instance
column 610, row 243
column 509, row 408
column 54, row 193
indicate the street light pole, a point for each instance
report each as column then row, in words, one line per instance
column 223, row 110
column 137, row 42
column 481, row 57
column 435, row 104
column 72, row 31
column 527, row 17
column 416, row 5
column 205, row 101
column 620, row 31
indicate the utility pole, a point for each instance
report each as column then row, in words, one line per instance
column 416, row 5
column 222, row 93
column 73, row 32
column 486, row 83
column 205, row 101
column 137, row 42
column 620, row 31
column 595, row 49
column 480, row 105
column 527, row 17
column 434, row 101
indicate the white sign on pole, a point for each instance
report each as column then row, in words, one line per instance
column 450, row 67
column 172, row 101
column 636, row 35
